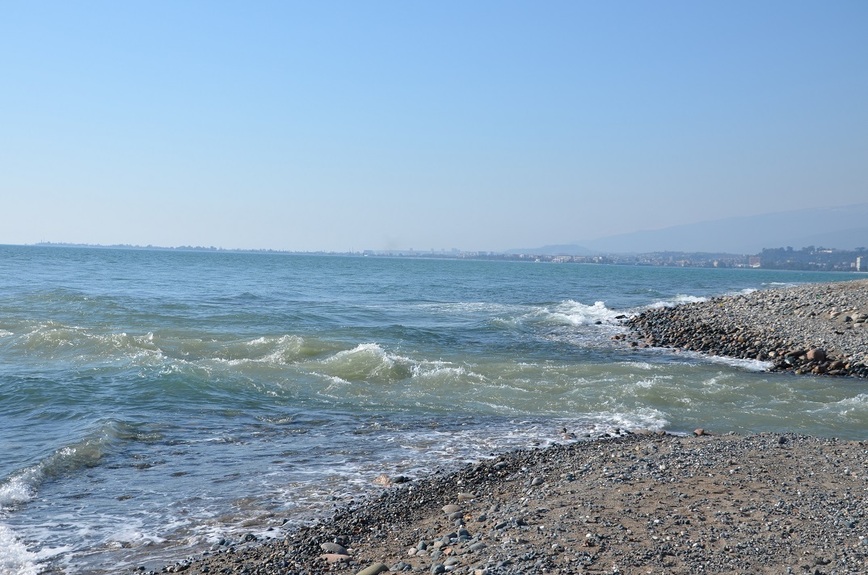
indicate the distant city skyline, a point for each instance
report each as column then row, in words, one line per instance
column 485, row 126
column 839, row 228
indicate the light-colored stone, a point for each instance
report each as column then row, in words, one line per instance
column 330, row 547
column 373, row 569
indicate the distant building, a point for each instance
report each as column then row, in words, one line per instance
column 859, row 264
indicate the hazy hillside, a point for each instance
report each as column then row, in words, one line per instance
column 843, row 227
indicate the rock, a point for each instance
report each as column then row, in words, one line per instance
column 332, row 558
column 450, row 509
column 816, row 354
column 383, row 480
column 373, row 569
column 330, row 547
column 780, row 325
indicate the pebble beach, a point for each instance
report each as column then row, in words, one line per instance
column 642, row 503
column 814, row 328
column 637, row 502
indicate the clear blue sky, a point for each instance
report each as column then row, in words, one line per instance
column 369, row 125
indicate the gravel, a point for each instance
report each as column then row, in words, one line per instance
column 815, row 328
column 641, row 503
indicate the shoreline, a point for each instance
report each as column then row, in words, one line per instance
column 640, row 503
column 821, row 329
column 633, row 504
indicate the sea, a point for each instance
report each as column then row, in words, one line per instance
column 158, row 404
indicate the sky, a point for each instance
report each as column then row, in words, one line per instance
column 481, row 125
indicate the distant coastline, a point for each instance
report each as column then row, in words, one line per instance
column 809, row 258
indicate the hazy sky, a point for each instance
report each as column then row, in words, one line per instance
column 356, row 125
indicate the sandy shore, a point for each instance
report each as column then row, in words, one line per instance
column 640, row 503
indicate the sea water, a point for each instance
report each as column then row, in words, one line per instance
column 154, row 403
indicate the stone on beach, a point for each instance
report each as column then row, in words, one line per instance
column 797, row 329
column 330, row 547
column 644, row 502
column 335, row 557
column 373, row 569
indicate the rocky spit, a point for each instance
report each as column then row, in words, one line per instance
column 634, row 504
column 815, row 328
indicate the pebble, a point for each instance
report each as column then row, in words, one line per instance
column 330, row 547
column 335, row 557
column 797, row 329
column 373, row 569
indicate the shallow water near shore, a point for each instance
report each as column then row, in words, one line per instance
column 155, row 403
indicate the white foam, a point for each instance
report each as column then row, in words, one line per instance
column 124, row 535
column 15, row 559
column 643, row 365
column 284, row 349
column 21, row 487
column 18, row 489
column 337, row 380
column 463, row 308
column 746, row 364
column 571, row 312
column 647, row 383
column 640, row 418
column 370, row 349
column 440, row 369
column 678, row 300
column 849, row 405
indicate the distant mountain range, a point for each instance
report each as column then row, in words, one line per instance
column 844, row 227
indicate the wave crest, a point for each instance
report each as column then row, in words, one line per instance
column 575, row 313
column 678, row 300
column 22, row 486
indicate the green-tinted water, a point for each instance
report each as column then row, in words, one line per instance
column 152, row 401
